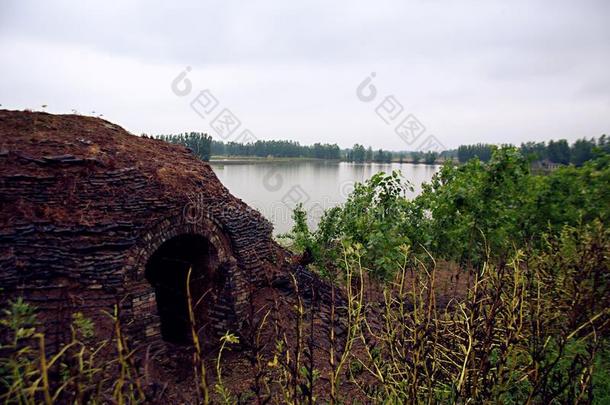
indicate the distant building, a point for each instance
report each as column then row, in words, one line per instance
column 545, row 165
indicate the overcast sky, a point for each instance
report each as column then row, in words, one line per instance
column 469, row 71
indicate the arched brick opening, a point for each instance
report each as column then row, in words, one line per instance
column 167, row 270
column 219, row 278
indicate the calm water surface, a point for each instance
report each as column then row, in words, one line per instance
column 276, row 188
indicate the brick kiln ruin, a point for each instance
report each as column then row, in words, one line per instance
column 92, row 216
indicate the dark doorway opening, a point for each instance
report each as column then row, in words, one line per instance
column 167, row 271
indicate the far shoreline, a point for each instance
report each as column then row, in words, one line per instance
column 229, row 160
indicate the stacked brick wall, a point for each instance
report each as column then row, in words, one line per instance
column 85, row 204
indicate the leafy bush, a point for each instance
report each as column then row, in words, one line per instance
column 373, row 216
column 467, row 214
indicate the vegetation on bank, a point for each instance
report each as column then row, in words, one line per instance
column 537, row 251
column 204, row 146
column 281, row 149
column 227, row 160
column 359, row 154
column 555, row 152
column 465, row 214
column 558, row 152
column 530, row 326
column 199, row 143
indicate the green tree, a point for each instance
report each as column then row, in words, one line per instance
column 559, row 151
column 369, row 154
column 582, row 151
column 481, row 151
column 430, row 157
column 199, row 143
column 358, row 153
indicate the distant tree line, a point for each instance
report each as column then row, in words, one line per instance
column 425, row 157
column 204, row 146
column 359, row 154
column 198, row 142
column 277, row 149
column 559, row 152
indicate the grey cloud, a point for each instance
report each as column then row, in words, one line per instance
column 302, row 61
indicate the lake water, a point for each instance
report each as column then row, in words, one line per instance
column 276, row 188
